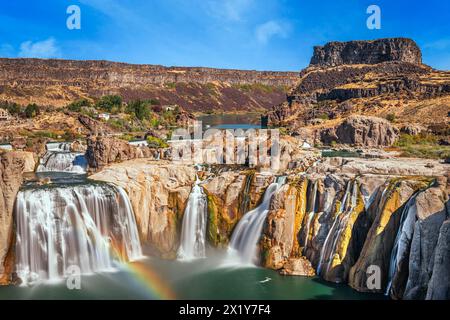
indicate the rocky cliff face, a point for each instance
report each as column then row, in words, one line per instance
column 58, row 82
column 374, row 78
column 11, row 168
column 230, row 196
column 335, row 220
column 361, row 131
column 366, row 52
column 345, row 220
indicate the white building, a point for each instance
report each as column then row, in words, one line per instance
column 104, row 116
column 4, row 115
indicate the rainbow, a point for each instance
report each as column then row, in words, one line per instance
column 150, row 280
column 143, row 275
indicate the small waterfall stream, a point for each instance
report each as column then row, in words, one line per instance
column 58, row 158
column 243, row 247
column 402, row 239
column 89, row 226
column 193, row 233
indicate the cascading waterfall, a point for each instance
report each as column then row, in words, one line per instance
column 402, row 239
column 59, row 158
column 90, row 226
column 244, row 240
column 193, row 232
column 340, row 221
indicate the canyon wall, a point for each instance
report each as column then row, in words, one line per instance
column 58, row 82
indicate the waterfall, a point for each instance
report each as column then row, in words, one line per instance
column 59, row 158
column 90, row 226
column 402, row 239
column 244, row 240
column 312, row 206
column 340, row 221
column 193, row 232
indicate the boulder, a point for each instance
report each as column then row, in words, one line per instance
column 361, row 131
column 103, row 150
column 298, row 267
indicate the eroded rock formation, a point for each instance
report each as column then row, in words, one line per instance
column 11, row 168
column 362, row 131
column 366, row 52
column 103, row 150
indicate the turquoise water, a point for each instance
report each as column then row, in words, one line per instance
column 201, row 279
column 231, row 121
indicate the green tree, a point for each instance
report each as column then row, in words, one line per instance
column 111, row 103
column 139, row 108
column 32, row 110
column 78, row 104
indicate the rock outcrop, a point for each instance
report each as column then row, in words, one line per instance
column 230, row 196
column 366, row 52
column 362, row 131
column 11, row 168
column 158, row 192
column 103, row 150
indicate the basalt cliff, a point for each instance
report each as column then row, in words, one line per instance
column 59, row 82
column 383, row 78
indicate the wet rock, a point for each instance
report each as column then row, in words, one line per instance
column 298, row 267
column 431, row 213
column 439, row 285
column 381, row 236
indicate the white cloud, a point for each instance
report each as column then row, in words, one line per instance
column 266, row 31
column 40, row 49
column 232, row 10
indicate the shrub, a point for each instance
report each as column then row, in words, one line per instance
column 111, row 103
column 155, row 142
column 77, row 105
column 32, row 110
column 422, row 146
column 390, row 117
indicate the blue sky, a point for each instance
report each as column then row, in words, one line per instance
column 240, row 34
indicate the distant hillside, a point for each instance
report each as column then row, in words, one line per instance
column 58, row 82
